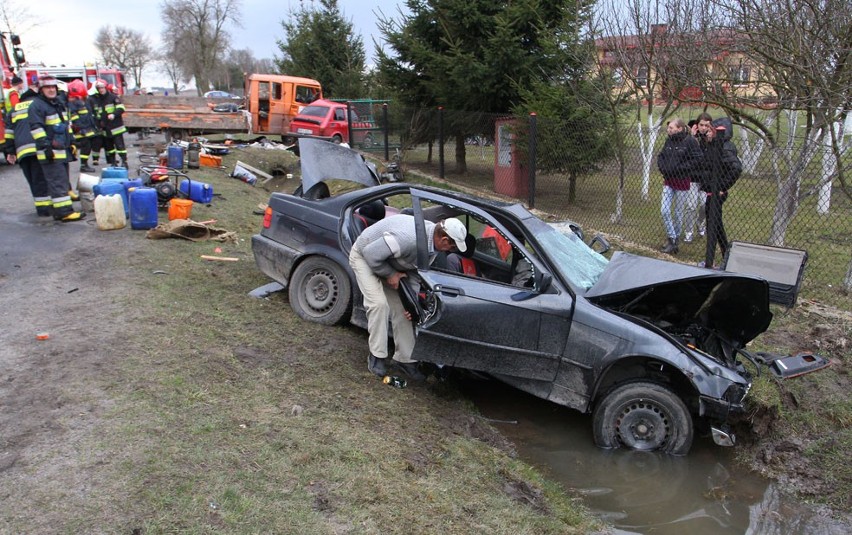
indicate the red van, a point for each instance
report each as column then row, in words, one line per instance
column 327, row 119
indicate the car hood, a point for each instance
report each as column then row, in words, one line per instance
column 733, row 305
column 322, row 160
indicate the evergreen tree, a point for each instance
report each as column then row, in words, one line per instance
column 478, row 55
column 320, row 44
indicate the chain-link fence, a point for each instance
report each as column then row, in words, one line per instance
column 788, row 195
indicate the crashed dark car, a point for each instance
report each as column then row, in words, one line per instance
column 650, row 348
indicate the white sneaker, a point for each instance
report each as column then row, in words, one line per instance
column 687, row 238
column 702, row 229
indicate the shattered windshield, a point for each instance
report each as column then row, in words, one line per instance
column 577, row 262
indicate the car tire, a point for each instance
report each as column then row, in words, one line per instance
column 644, row 417
column 320, row 291
column 337, row 139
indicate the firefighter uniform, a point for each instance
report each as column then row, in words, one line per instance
column 82, row 123
column 51, row 130
column 109, row 111
column 21, row 145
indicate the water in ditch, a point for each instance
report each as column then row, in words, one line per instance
column 701, row 493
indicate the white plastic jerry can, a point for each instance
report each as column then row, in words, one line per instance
column 109, row 212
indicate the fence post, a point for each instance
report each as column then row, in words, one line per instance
column 531, row 160
column 349, row 122
column 385, row 128
column 441, row 141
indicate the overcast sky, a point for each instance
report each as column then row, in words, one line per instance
column 67, row 29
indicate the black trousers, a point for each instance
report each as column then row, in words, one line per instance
column 715, row 227
column 97, row 145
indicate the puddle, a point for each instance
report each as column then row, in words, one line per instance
column 701, row 493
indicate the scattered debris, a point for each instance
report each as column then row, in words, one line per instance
column 42, row 336
column 72, row 290
column 247, row 173
column 159, row 272
column 297, row 410
column 220, row 258
column 188, row 229
column 266, row 289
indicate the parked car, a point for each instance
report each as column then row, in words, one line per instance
column 221, row 94
column 328, row 120
column 650, row 348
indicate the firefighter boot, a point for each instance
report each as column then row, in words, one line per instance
column 85, row 168
column 73, row 216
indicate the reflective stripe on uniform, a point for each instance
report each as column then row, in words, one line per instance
column 43, row 202
column 118, row 131
column 61, row 154
column 59, row 202
column 26, row 150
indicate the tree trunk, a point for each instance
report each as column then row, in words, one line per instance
column 429, row 148
column 572, row 187
column 847, row 280
column 461, row 161
column 786, row 205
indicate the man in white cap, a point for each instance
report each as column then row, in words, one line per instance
column 380, row 257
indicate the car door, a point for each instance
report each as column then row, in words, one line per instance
column 488, row 325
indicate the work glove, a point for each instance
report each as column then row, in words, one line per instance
column 48, row 154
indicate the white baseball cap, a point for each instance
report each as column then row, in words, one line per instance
column 455, row 229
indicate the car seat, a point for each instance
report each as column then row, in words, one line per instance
column 367, row 214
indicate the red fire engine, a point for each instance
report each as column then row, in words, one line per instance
column 88, row 73
column 8, row 60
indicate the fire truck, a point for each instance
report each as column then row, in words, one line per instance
column 8, row 62
column 88, row 73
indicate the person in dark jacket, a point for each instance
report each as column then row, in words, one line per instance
column 721, row 167
column 20, row 148
column 82, row 122
column 678, row 162
column 50, row 127
column 109, row 111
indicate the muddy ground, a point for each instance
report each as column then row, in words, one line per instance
column 54, row 280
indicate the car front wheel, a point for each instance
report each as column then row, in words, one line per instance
column 645, row 417
column 320, row 291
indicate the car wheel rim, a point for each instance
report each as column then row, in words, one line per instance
column 643, row 425
column 320, row 293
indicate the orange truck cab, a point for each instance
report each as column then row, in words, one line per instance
column 273, row 100
column 327, row 119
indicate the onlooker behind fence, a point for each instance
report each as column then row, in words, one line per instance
column 694, row 213
column 722, row 168
column 678, row 162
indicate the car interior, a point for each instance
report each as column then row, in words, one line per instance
column 489, row 255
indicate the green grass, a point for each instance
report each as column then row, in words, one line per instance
column 229, row 414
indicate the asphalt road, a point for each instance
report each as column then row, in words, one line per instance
column 27, row 240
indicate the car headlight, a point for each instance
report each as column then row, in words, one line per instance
column 736, row 393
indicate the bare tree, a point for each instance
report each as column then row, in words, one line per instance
column 171, row 67
column 197, row 27
column 126, row 49
column 793, row 56
column 644, row 43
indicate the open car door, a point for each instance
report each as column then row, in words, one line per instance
column 516, row 328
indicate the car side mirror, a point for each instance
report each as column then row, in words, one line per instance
column 599, row 244
column 541, row 283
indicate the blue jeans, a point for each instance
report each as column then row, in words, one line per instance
column 678, row 198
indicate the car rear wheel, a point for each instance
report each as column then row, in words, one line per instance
column 337, row 139
column 320, row 291
column 645, row 417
